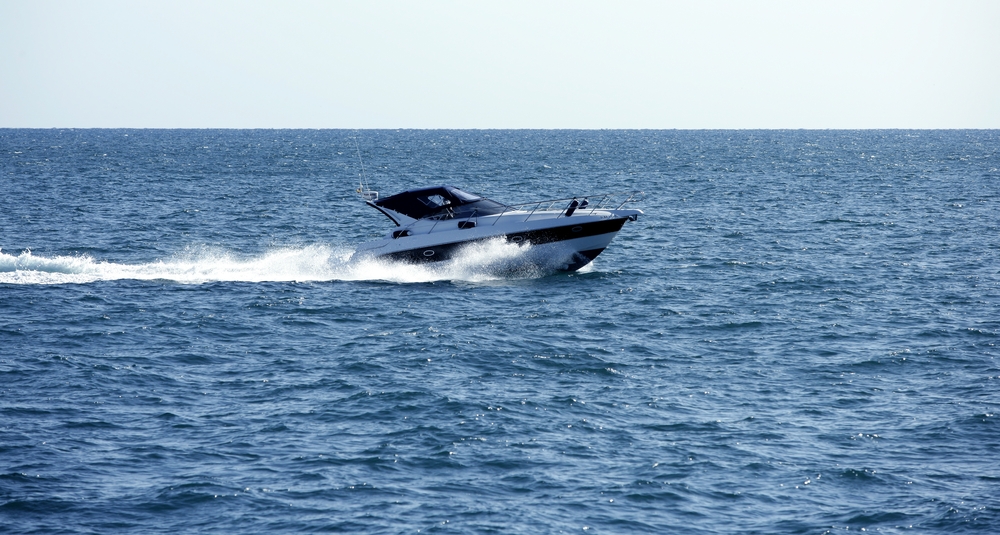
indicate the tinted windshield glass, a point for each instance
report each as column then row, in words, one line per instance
column 478, row 208
column 464, row 196
column 471, row 204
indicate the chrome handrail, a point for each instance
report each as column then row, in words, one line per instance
column 600, row 201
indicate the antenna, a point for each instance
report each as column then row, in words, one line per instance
column 363, row 188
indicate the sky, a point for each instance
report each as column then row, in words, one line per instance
column 500, row 64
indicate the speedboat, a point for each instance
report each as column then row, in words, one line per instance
column 437, row 223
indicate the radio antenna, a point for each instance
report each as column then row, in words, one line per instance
column 363, row 188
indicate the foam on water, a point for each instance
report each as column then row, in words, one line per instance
column 195, row 266
column 478, row 262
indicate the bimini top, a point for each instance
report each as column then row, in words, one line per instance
column 440, row 201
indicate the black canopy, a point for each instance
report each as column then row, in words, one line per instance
column 440, row 201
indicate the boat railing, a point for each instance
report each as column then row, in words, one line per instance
column 586, row 204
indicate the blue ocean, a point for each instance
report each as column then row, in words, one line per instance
column 798, row 336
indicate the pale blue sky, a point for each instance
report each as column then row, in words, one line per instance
column 500, row 64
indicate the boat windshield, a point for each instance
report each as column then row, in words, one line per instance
column 442, row 201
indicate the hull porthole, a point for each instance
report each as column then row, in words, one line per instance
column 429, row 253
column 577, row 228
column 517, row 239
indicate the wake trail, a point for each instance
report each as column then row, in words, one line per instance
column 313, row 263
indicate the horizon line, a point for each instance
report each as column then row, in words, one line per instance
column 491, row 128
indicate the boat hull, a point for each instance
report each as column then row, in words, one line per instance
column 564, row 247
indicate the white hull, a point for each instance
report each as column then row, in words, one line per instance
column 556, row 240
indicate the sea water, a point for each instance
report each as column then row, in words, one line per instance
column 799, row 336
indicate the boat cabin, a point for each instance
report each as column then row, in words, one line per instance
column 443, row 202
